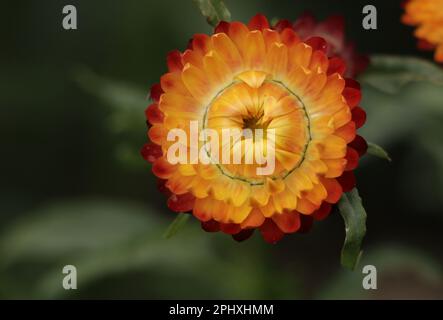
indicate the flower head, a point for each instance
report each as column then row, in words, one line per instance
column 255, row 77
column 427, row 16
column 332, row 30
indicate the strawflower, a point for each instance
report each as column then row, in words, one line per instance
column 258, row 77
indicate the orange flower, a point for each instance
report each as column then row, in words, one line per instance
column 427, row 15
column 250, row 76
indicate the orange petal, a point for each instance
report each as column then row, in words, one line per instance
column 153, row 114
column 222, row 27
column 335, row 167
column 270, row 232
column 352, row 96
column 238, row 32
column 284, row 200
column 347, row 132
column 332, row 147
column 201, row 43
column 180, row 106
column 259, row 196
column 319, row 62
column 305, row 206
column 196, row 82
column 163, row 169
column 274, row 186
column 277, row 60
column 157, row 134
column 217, row 71
column 298, row 182
column 174, row 61
column 181, row 203
column 289, row 38
column 179, row 184
column 342, row 117
column 299, row 55
column 317, row 194
column 270, row 37
column 322, row 212
column 439, row 53
column 201, row 210
column 172, row 82
column 258, row 22
column 334, row 190
column 288, row 221
column 228, row 51
column 192, row 57
column 254, row 51
column 253, row 220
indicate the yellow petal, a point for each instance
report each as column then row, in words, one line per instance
column 317, row 194
column 298, row 182
column 179, row 184
column 335, row 167
column 332, row 147
column 238, row 192
column 285, row 200
column 254, row 79
column 288, row 159
column 186, row 170
column 259, row 196
column 239, row 214
column 274, row 186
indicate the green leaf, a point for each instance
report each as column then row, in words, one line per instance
column 176, row 225
column 391, row 73
column 214, row 11
column 118, row 94
column 354, row 215
column 399, row 94
column 120, row 243
column 376, row 150
column 125, row 103
column 65, row 228
column 394, row 261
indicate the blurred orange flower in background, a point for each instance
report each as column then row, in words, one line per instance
column 254, row 76
column 427, row 16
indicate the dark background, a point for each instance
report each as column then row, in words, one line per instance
column 74, row 189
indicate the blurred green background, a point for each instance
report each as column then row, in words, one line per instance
column 74, row 189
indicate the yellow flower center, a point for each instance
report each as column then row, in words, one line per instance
column 254, row 102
